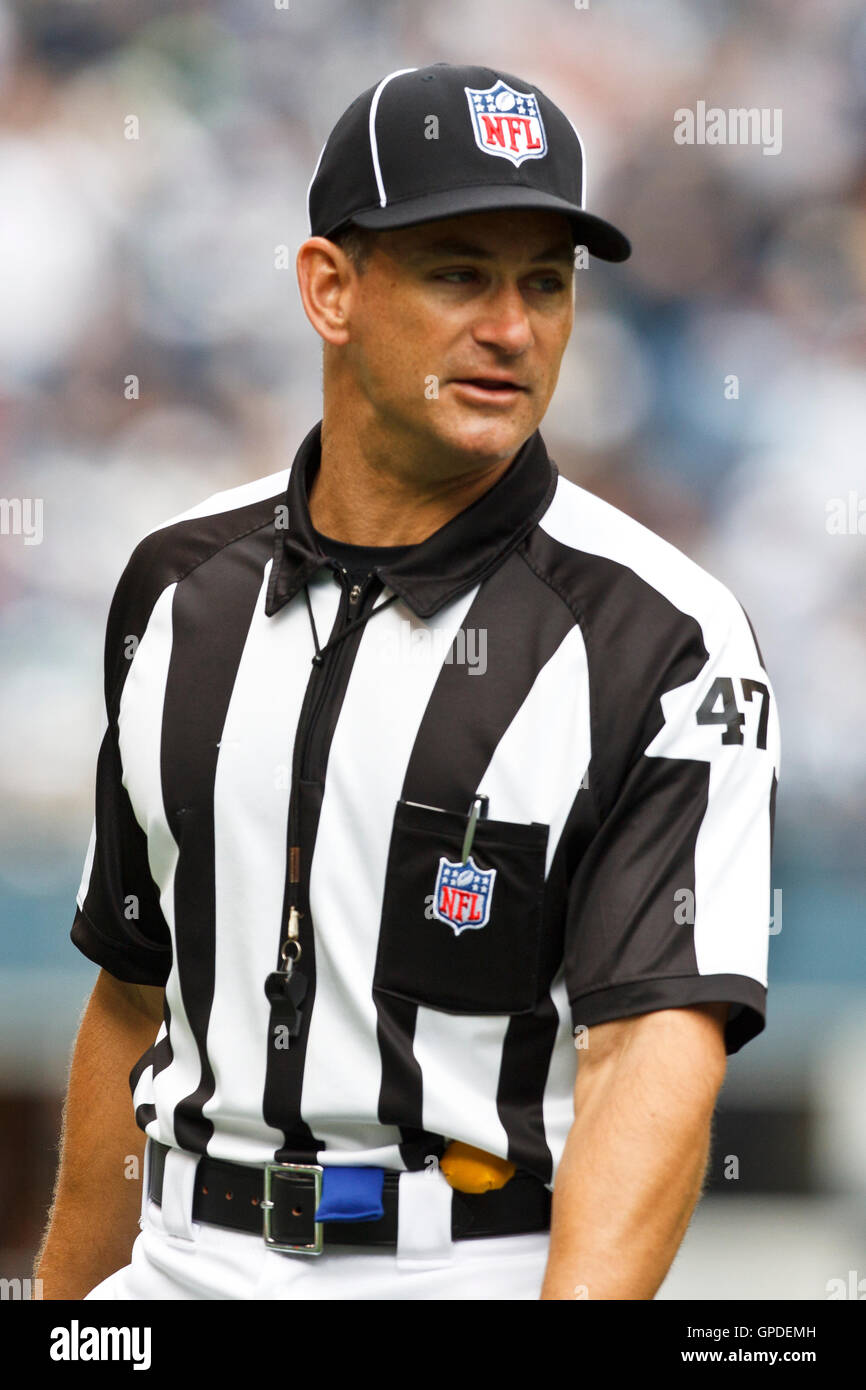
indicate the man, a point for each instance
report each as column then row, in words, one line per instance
column 433, row 818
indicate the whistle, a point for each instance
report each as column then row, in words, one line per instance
column 473, row 1170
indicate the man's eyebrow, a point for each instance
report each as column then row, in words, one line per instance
column 450, row 246
column 562, row 251
column 453, row 246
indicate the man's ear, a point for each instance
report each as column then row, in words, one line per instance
column 326, row 281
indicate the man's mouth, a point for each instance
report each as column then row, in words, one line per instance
column 491, row 386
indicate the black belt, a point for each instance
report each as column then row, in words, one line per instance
column 233, row 1195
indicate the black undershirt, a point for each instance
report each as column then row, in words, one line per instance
column 359, row 561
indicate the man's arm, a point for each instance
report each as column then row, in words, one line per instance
column 635, row 1158
column 94, row 1218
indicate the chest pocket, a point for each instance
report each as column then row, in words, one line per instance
column 463, row 937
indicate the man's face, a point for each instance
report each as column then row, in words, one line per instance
column 457, row 330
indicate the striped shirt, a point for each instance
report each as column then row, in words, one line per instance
column 282, row 744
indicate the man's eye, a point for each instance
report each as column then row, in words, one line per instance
column 454, row 276
column 548, row 284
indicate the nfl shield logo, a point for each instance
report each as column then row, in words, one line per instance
column 463, row 894
column 507, row 122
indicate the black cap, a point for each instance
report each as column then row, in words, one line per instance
column 427, row 143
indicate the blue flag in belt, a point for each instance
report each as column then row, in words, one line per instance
column 351, row 1194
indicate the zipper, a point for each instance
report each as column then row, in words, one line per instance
column 304, row 762
column 352, row 604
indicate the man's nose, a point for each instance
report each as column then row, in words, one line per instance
column 503, row 321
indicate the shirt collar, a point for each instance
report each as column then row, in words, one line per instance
column 464, row 551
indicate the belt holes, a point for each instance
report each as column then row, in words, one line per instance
column 204, row 1191
column 254, row 1201
column 229, row 1196
column 297, row 1211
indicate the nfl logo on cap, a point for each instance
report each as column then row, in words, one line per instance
column 507, row 122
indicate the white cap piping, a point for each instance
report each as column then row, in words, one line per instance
column 374, row 147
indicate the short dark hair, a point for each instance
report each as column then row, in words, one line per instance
column 356, row 243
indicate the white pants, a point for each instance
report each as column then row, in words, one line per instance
column 175, row 1257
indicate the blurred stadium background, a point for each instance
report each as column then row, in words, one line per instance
column 159, row 256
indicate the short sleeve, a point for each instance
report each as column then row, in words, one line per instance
column 118, row 921
column 669, row 905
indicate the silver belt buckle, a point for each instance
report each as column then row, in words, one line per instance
column 285, row 1170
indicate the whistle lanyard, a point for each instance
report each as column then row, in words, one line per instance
column 286, row 987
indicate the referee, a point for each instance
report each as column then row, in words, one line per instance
column 430, row 870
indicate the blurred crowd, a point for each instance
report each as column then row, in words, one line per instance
column 154, row 163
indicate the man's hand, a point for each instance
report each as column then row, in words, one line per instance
column 94, row 1220
column 634, row 1161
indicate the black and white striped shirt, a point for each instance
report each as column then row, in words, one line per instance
column 542, row 650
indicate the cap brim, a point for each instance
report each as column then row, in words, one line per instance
column 599, row 237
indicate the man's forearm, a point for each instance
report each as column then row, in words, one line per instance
column 634, row 1162
column 94, row 1219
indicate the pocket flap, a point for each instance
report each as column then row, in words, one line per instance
column 462, row 936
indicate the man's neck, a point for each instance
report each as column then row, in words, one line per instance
column 367, row 496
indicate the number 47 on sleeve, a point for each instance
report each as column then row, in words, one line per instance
column 722, row 689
